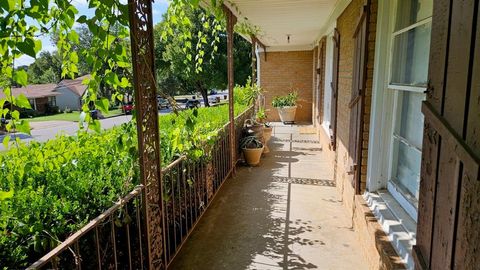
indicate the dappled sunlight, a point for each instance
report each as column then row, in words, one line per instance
column 279, row 215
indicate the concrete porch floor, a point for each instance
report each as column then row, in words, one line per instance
column 284, row 214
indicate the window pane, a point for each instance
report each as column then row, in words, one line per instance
column 410, row 124
column 410, row 56
column 406, row 173
column 412, row 11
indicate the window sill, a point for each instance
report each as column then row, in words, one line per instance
column 397, row 224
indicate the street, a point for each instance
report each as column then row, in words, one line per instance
column 44, row 131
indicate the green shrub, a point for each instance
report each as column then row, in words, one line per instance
column 246, row 95
column 59, row 185
column 285, row 101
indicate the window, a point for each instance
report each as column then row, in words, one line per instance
column 327, row 96
column 329, row 122
column 410, row 42
column 32, row 103
column 52, row 101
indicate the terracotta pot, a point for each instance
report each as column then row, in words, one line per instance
column 287, row 114
column 252, row 155
column 267, row 134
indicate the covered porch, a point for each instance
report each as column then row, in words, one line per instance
column 284, row 214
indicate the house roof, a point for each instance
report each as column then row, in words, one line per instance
column 75, row 85
column 34, row 91
column 287, row 25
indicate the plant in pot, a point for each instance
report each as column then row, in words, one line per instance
column 286, row 106
column 267, row 128
column 252, row 149
column 253, row 128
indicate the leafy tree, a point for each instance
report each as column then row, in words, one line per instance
column 47, row 68
column 208, row 70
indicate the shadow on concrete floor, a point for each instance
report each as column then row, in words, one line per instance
column 283, row 214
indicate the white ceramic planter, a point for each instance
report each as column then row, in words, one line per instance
column 287, row 114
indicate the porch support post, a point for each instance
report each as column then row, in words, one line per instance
column 231, row 20
column 254, row 59
column 144, row 82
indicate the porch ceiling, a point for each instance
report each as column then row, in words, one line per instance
column 303, row 20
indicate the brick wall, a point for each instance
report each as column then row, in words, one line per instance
column 346, row 24
column 284, row 71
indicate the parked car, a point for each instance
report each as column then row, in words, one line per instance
column 192, row 103
column 3, row 124
column 96, row 114
column 127, row 108
column 163, row 103
column 212, row 99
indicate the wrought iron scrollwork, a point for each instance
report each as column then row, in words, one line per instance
column 141, row 34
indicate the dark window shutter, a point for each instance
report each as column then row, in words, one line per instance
column 357, row 98
column 334, row 85
column 320, row 80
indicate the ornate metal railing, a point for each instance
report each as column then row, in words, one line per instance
column 117, row 237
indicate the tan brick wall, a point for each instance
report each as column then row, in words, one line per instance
column 346, row 26
column 283, row 71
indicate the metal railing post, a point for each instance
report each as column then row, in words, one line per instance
column 141, row 35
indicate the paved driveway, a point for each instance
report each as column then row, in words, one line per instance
column 44, row 131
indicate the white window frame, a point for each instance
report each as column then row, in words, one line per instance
column 327, row 87
column 380, row 150
column 380, row 168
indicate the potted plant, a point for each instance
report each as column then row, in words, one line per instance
column 286, row 106
column 252, row 149
column 267, row 128
column 253, row 128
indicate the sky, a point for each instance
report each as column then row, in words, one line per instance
column 159, row 8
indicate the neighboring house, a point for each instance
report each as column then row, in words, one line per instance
column 41, row 96
column 71, row 93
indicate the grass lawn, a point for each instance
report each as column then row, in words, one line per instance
column 73, row 116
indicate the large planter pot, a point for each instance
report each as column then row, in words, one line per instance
column 253, row 155
column 287, row 114
column 267, row 134
column 253, row 129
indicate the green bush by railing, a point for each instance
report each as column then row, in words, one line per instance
column 58, row 186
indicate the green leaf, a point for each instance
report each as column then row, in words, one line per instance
column 74, row 57
column 23, row 127
column 82, row 19
column 8, row 5
column 6, row 140
column 95, row 125
column 20, row 77
column 38, row 46
column 16, row 115
column 22, row 102
column 102, row 105
column 73, row 37
column 6, row 195
column 27, row 47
